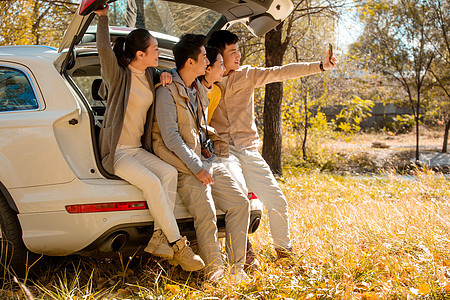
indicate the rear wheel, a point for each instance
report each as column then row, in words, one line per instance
column 13, row 252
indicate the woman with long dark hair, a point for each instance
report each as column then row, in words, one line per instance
column 128, row 72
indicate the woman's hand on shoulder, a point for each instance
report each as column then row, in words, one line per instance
column 103, row 11
column 165, row 78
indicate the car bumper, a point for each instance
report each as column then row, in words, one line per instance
column 96, row 234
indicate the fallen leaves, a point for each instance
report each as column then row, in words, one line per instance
column 424, row 289
column 173, row 288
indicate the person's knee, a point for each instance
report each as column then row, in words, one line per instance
column 148, row 181
column 278, row 208
column 239, row 204
column 171, row 173
column 275, row 203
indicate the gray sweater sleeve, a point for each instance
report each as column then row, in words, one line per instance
column 108, row 62
column 166, row 114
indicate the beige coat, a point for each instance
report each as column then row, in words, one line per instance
column 234, row 118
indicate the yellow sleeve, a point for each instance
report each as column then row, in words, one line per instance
column 214, row 98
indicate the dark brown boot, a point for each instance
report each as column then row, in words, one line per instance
column 249, row 264
column 285, row 253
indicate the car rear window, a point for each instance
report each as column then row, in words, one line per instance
column 16, row 91
column 165, row 17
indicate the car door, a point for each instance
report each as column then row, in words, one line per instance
column 29, row 153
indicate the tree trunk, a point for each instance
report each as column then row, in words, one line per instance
column 272, row 103
column 417, row 126
column 447, row 128
column 135, row 14
column 35, row 26
column 164, row 13
column 306, row 127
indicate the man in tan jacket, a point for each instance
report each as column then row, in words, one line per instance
column 181, row 138
column 234, row 120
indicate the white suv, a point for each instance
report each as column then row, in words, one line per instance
column 55, row 197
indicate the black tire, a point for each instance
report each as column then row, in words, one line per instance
column 13, row 253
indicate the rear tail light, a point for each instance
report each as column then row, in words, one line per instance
column 252, row 196
column 105, row 207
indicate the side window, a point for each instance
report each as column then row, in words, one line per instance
column 16, row 92
column 85, row 84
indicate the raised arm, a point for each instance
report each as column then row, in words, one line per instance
column 262, row 76
column 109, row 67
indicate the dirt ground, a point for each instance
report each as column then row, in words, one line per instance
column 387, row 150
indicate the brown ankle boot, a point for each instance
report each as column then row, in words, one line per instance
column 249, row 257
column 185, row 257
column 285, row 253
column 159, row 245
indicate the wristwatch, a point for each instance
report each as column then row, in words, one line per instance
column 321, row 66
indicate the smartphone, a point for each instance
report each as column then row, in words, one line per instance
column 330, row 47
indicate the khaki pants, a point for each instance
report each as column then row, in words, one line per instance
column 158, row 182
column 249, row 169
column 227, row 197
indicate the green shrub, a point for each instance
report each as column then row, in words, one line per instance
column 401, row 124
column 355, row 110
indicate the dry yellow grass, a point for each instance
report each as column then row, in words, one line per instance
column 381, row 237
column 385, row 237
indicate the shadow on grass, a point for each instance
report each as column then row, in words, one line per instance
column 89, row 278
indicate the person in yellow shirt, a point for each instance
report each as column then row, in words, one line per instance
column 214, row 82
column 213, row 75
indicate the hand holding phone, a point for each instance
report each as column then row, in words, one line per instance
column 330, row 47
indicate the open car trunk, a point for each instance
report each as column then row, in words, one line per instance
column 174, row 18
column 166, row 20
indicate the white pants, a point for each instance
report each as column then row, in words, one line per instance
column 249, row 169
column 156, row 179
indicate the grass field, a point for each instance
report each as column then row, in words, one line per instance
column 356, row 237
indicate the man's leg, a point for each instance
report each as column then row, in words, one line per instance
column 229, row 198
column 198, row 200
column 259, row 179
column 233, row 166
